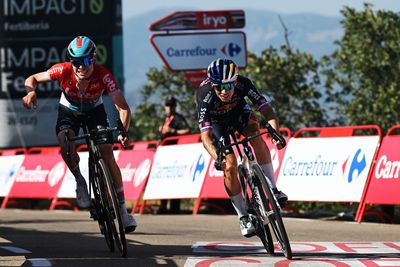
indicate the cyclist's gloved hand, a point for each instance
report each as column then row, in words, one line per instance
column 123, row 140
column 279, row 144
column 218, row 165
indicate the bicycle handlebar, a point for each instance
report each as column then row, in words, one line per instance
column 95, row 132
column 270, row 130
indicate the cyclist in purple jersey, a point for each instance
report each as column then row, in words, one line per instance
column 222, row 107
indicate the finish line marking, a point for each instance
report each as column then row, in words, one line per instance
column 321, row 254
column 300, row 247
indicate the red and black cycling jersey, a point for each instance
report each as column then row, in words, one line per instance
column 211, row 108
column 100, row 81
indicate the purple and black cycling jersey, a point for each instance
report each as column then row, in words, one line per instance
column 210, row 108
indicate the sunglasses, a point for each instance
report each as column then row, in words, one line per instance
column 85, row 62
column 224, row 86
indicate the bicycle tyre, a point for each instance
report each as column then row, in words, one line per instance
column 113, row 210
column 263, row 231
column 275, row 220
column 253, row 206
column 99, row 204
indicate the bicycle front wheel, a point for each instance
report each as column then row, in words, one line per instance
column 113, row 210
column 274, row 215
column 261, row 209
column 256, row 206
column 99, row 212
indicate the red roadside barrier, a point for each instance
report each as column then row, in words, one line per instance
column 383, row 184
column 135, row 165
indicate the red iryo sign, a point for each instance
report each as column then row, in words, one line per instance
column 195, row 77
column 200, row 20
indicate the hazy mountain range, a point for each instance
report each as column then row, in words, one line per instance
column 310, row 33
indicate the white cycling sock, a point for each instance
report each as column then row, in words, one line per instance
column 238, row 205
column 268, row 170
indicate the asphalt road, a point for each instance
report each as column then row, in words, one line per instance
column 68, row 238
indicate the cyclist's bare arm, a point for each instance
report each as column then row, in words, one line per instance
column 206, row 139
column 30, row 86
column 124, row 113
column 270, row 116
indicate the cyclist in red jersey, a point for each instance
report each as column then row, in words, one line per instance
column 82, row 83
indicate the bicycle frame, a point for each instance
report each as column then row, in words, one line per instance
column 106, row 207
column 262, row 201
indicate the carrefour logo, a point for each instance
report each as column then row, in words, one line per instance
column 357, row 164
column 231, row 49
column 199, row 167
column 313, row 167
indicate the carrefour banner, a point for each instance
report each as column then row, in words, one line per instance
column 39, row 176
column 385, row 183
column 9, row 166
column 327, row 169
column 178, row 172
column 135, row 169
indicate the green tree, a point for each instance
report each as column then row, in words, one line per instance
column 149, row 114
column 291, row 82
column 363, row 74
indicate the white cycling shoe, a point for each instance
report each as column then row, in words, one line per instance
column 128, row 221
column 82, row 197
column 247, row 226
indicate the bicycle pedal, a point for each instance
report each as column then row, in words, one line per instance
column 251, row 234
column 93, row 215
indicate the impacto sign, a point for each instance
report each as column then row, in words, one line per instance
column 193, row 51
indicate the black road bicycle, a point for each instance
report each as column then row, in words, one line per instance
column 258, row 195
column 105, row 205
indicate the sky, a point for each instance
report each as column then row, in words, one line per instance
column 322, row 7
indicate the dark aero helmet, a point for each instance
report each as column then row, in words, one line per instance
column 222, row 71
column 80, row 47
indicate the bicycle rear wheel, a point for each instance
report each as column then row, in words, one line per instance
column 274, row 216
column 113, row 210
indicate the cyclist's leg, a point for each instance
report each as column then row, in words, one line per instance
column 231, row 182
column 67, row 120
column 262, row 153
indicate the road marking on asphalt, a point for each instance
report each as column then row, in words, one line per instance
column 15, row 249
column 355, row 254
column 221, row 247
column 3, row 240
column 12, row 260
column 39, row 262
column 282, row 262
